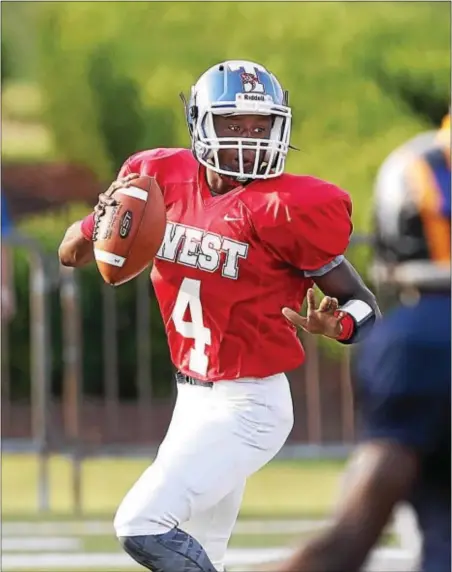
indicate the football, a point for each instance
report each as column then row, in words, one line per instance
column 129, row 234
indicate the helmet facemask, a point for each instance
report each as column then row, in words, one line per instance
column 270, row 153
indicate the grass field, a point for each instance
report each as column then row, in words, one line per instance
column 277, row 502
column 281, row 489
column 284, row 503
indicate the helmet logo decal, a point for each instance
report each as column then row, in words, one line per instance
column 251, row 83
column 249, row 77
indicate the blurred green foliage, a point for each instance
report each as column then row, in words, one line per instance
column 5, row 65
column 363, row 77
column 19, row 33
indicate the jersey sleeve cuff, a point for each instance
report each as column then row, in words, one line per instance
column 87, row 227
column 325, row 269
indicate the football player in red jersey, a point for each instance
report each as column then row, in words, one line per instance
column 244, row 245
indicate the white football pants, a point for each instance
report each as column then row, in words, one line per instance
column 217, row 437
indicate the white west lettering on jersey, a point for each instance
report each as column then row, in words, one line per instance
column 189, row 252
column 234, row 250
column 202, row 249
column 172, row 239
column 209, row 259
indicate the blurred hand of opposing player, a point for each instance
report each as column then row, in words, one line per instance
column 106, row 199
column 324, row 320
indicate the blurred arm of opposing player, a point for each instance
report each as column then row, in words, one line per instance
column 381, row 474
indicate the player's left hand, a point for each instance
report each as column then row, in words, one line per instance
column 324, row 320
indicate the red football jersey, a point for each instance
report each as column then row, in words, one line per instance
column 229, row 264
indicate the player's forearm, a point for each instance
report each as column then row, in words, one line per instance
column 75, row 250
column 345, row 284
column 363, row 293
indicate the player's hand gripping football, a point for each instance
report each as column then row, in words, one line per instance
column 324, row 320
column 106, row 199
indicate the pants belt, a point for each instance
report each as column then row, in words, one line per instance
column 182, row 378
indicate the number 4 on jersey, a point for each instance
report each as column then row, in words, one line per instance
column 189, row 297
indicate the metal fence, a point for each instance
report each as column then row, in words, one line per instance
column 81, row 425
